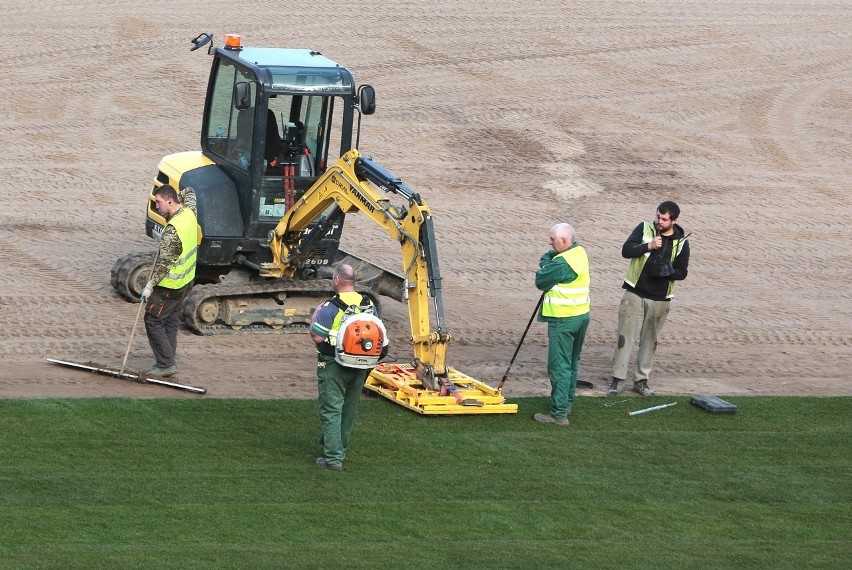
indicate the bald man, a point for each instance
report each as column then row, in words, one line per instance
column 339, row 387
column 565, row 278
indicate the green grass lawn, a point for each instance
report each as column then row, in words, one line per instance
column 209, row 483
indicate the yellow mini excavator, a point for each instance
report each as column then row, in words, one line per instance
column 271, row 211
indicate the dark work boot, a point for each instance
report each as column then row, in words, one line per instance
column 164, row 372
column 322, row 462
column 643, row 388
column 615, row 387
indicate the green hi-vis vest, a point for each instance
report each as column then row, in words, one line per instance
column 183, row 271
column 349, row 298
column 570, row 299
column 634, row 269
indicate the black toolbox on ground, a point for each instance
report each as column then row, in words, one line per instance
column 713, row 404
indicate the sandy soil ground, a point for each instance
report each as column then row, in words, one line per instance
column 506, row 119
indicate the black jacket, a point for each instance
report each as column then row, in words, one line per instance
column 648, row 286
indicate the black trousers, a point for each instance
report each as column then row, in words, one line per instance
column 162, row 321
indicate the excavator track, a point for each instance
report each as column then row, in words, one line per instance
column 239, row 304
column 253, row 307
column 130, row 273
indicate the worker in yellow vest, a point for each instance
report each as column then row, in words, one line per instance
column 659, row 255
column 565, row 278
column 339, row 386
column 174, row 272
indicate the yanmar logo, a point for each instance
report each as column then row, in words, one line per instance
column 354, row 191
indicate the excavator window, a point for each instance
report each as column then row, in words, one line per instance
column 239, row 147
column 297, row 128
column 231, row 120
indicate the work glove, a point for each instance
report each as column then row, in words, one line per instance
column 146, row 292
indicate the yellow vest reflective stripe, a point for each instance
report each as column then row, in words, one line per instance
column 183, row 271
column 570, row 299
column 634, row 268
column 350, row 298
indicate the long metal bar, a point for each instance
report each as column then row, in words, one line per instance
column 651, row 409
column 523, row 336
column 136, row 377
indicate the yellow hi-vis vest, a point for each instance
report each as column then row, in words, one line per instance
column 634, row 268
column 570, row 299
column 350, row 298
column 183, row 271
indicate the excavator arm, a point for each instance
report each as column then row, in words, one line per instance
column 356, row 183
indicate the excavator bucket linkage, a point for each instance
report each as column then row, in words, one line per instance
column 462, row 395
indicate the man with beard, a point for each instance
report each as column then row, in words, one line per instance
column 659, row 256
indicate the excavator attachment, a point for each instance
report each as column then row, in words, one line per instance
column 459, row 394
column 355, row 183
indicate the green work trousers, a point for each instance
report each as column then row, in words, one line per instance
column 641, row 319
column 339, row 395
column 565, row 341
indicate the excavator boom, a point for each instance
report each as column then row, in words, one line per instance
column 356, row 184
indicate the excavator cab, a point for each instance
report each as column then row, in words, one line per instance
column 272, row 118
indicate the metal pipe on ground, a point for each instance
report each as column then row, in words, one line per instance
column 651, row 409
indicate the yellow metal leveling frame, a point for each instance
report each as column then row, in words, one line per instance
column 464, row 396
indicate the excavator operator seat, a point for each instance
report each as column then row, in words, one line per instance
column 272, row 149
column 294, row 134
